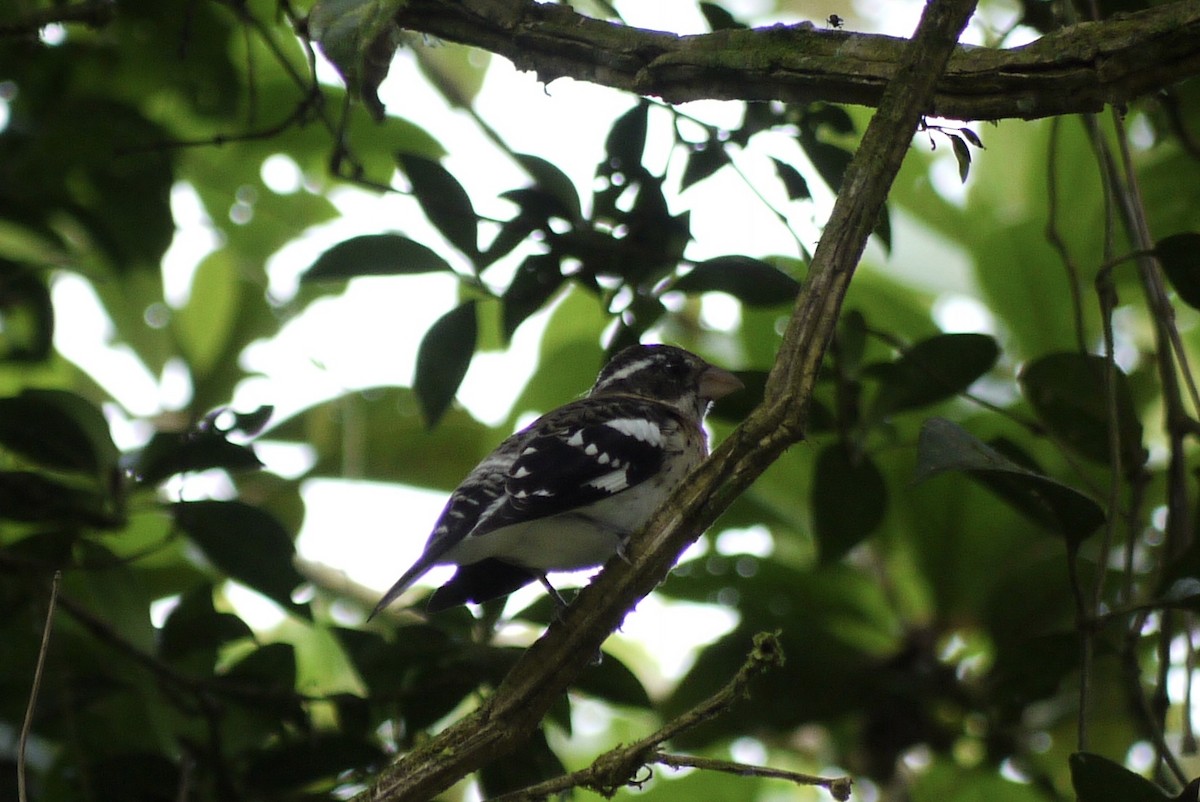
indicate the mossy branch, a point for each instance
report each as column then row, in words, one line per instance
column 1080, row 68
column 550, row 665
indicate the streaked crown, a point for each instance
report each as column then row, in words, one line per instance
column 667, row 374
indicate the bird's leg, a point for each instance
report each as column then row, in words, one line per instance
column 559, row 602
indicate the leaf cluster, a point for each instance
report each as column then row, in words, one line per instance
column 980, row 524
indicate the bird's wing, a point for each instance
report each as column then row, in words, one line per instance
column 589, row 450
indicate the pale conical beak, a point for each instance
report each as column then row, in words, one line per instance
column 717, row 383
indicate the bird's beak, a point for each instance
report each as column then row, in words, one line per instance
column 717, row 383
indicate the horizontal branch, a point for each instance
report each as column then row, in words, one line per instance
column 1077, row 69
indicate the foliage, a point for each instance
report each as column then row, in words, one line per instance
column 981, row 566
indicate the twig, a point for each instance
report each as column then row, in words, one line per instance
column 1055, row 237
column 838, row 787
column 27, row 724
column 621, row 766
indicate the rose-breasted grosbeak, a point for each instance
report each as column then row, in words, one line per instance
column 566, row 491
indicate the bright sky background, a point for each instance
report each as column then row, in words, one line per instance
column 565, row 123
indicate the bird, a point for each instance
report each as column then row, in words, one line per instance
column 566, row 492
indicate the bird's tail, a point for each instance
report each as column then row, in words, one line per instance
column 410, row 576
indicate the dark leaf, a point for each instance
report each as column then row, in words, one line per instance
column 849, row 500
column 1180, row 258
column 703, row 161
column 751, row 281
column 883, row 228
column 245, row 543
column 536, row 280
column 793, row 183
column 323, row 756
column 534, row 762
column 820, row 115
column 963, row 154
column 195, row 625
column 57, row 429
column 931, row 371
column 612, row 681
column 141, row 775
column 443, row 358
column 734, row 407
column 554, row 183
column 27, row 313
column 170, row 453
column 626, row 141
column 249, row 423
column 1067, row 391
column 268, row 672
column 536, row 209
column 32, row 497
column 374, row 255
column 444, row 202
column 971, row 137
column 718, row 18
column 1183, row 592
column 831, row 162
column 1098, row 779
column 946, row 446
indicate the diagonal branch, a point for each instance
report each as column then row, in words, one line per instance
column 1077, row 69
column 548, row 667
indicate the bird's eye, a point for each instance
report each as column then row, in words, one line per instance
column 677, row 368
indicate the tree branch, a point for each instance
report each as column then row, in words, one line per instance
column 1077, row 69
column 548, row 667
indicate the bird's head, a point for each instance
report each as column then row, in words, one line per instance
column 667, row 374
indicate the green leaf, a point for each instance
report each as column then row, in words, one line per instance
column 375, row 255
column 1067, row 391
column 359, row 38
column 946, row 446
column 379, row 434
column 245, row 543
column 27, row 333
column 849, row 500
column 443, row 358
column 751, row 281
column 57, row 429
column 933, row 370
column 1098, row 779
column 444, row 201
column 205, row 324
column 946, row 780
column 1180, row 258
